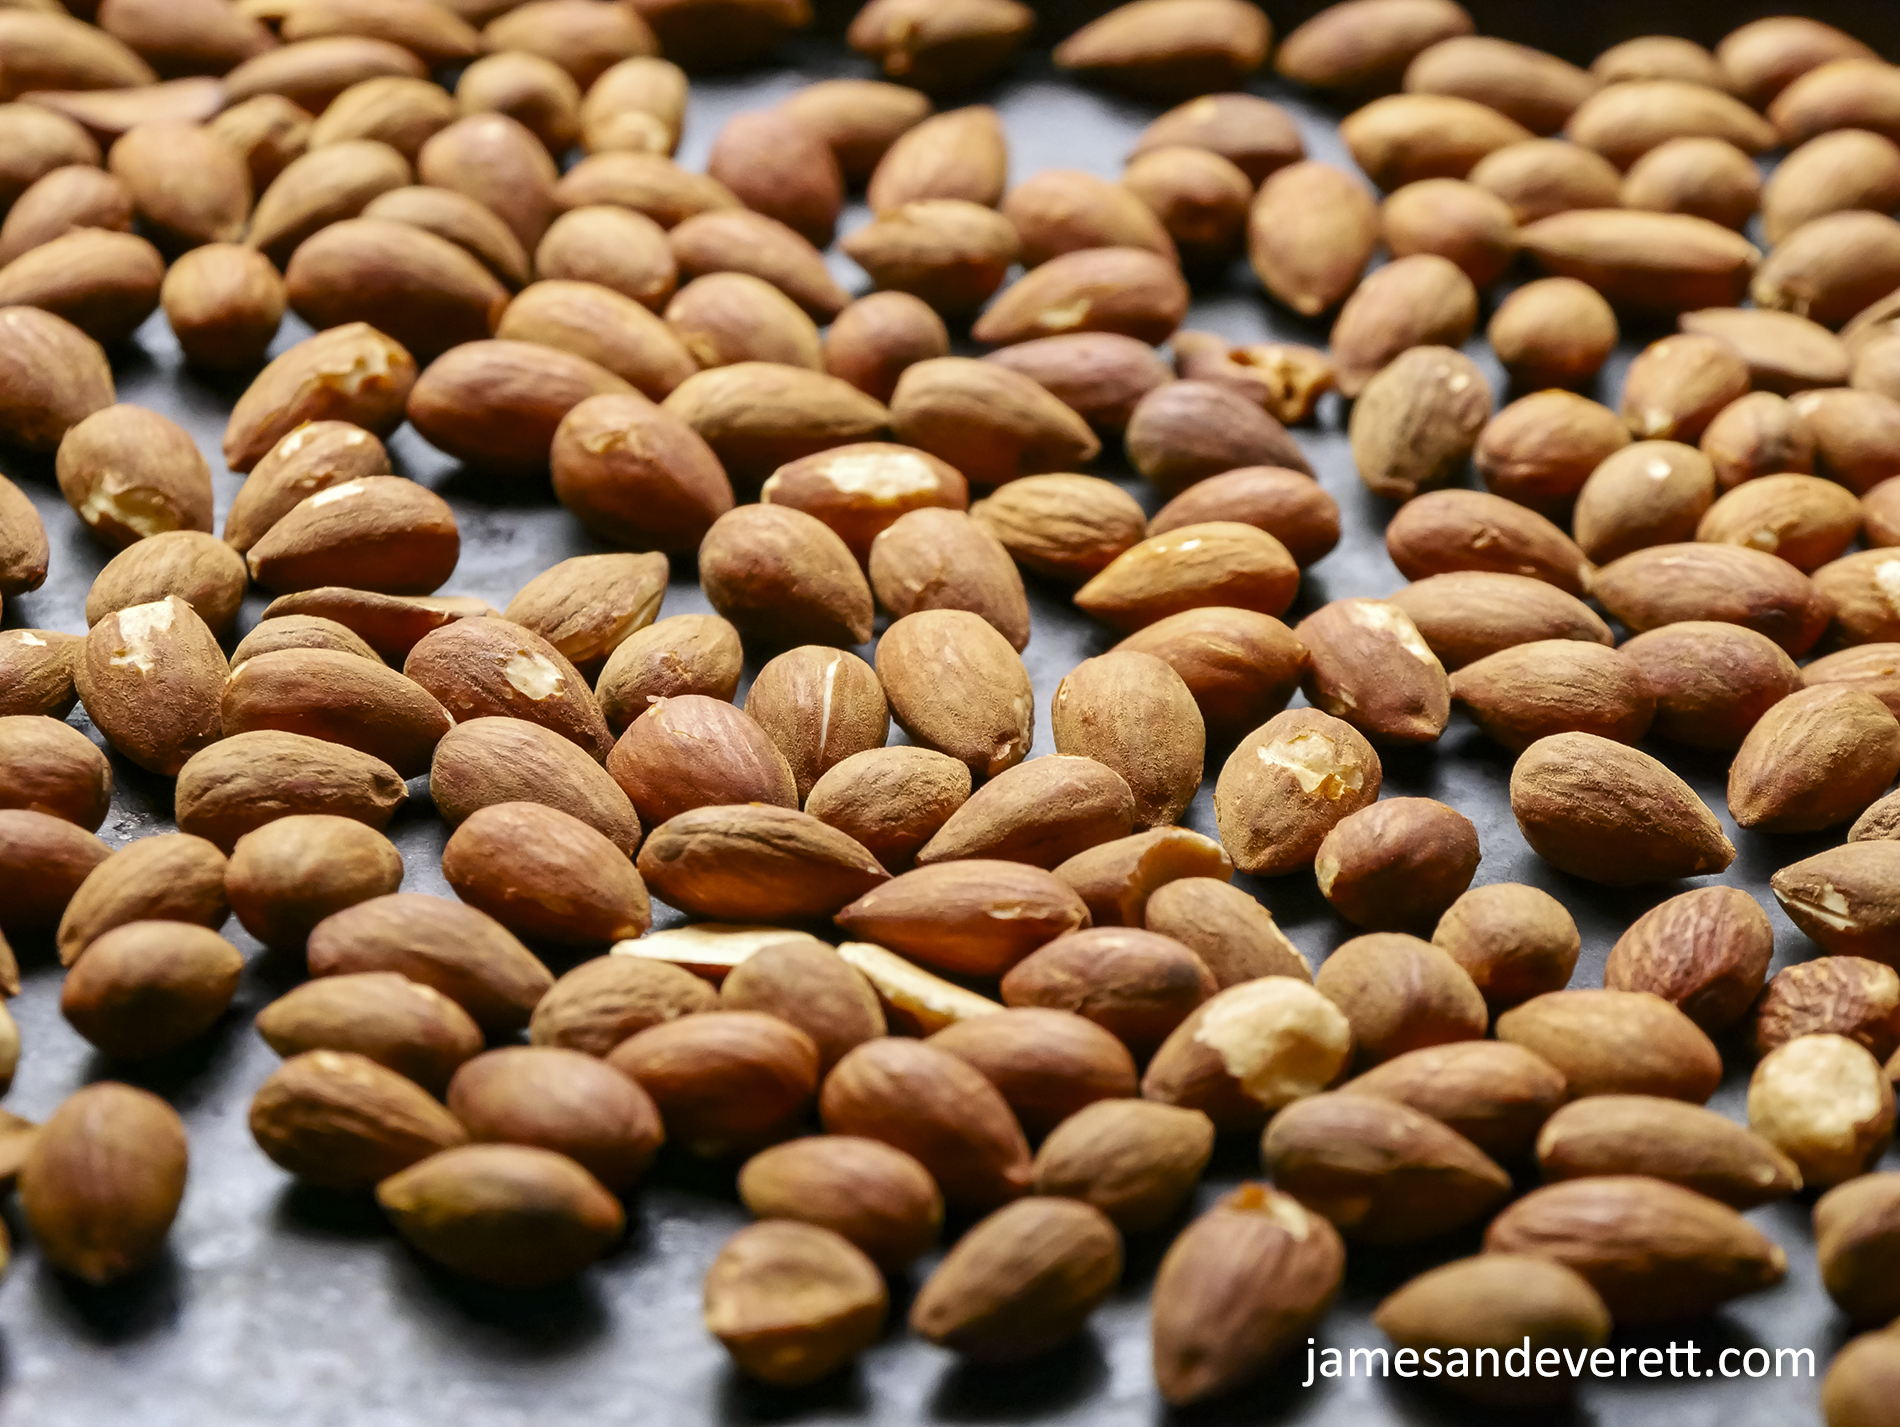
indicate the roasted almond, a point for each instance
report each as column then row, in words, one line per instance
column 559, row 1100
column 1494, row 1094
column 1132, row 291
column 51, row 767
column 149, row 676
column 412, row 1029
column 755, row 862
column 1288, row 784
column 500, row 759
column 1416, row 300
column 1233, row 934
column 1310, row 234
column 1646, row 262
column 871, row 1193
column 149, row 987
column 976, row 916
column 1843, row 898
column 602, row 1002
column 1664, row 1139
column 1041, row 812
column 130, row 473
column 1539, row 450
column 1530, row 691
column 1249, row 1050
column 546, row 876
column 1368, row 666
column 36, row 670
column 1834, row 995
column 1555, row 331
column 728, row 239
column 1217, row 563
column 1066, row 527
column 170, row 877
column 1667, row 583
column 956, row 686
column 691, row 751
column 352, row 373
column 481, row 667
column 1417, row 421
column 1133, row 713
column 1136, row 985
column 891, row 800
column 496, row 405
column 1185, row 431
column 343, row 1121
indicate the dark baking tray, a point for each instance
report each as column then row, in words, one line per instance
column 281, row 1305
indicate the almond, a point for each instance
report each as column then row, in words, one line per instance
column 1539, row 450
column 603, row 326
column 784, row 577
column 941, row 559
column 412, row 1029
column 1706, row 951
column 602, row 1002
column 39, row 140
column 244, row 781
column 1650, row 493
column 1829, row 173
column 104, row 283
column 690, row 751
column 1116, row 878
column 36, row 670
column 55, row 377
column 1469, row 614
column 1185, row 431
column 1249, row 1050
column 1645, row 262
column 1136, row 985
column 1834, row 995
column 1853, row 1240
column 1241, row 666
column 322, row 187
column 1235, row 936
column 45, row 860
column 989, row 423
column 1418, row 420
column 1712, row 681
column 1494, row 1094
column 1418, row 299
column 1255, row 134
column 1831, row 267
column 149, row 676
column 205, row 573
column 1041, row 812
column 949, row 252
column 1285, row 378
column 1133, row 1160
column 757, row 416
column 1219, row 563
column 956, row 686
column 612, row 247
column 861, row 118
column 1758, row 435
column 1812, row 1071
column 755, row 862
column 793, row 1302
column 1536, row 89
column 426, row 292
column 1539, row 177
column 880, row 334
column 1132, row 712
column 1655, row 1252
column 499, row 163
column 1668, row 583
column 146, row 988
column 50, row 767
column 874, row 1195
column 1665, row 1139
column 1061, row 211
column 1803, row 519
column 686, row 654
column 1048, row 1064
column 131, row 473
column 170, row 877
column 489, row 760
column 1867, row 666
column 1616, row 1042
column 496, row 405
column 646, row 182
column 1814, row 760
column 1398, row 863
column 461, row 220
column 288, row 875
column 1101, row 376
column 811, row 987
column 342, row 698
column 1552, row 332
column 942, row 48
column 723, row 318
column 637, row 474
column 536, row 92
column 268, row 130
column 352, row 373
column 1759, row 60
column 313, row 458
column 1288, row 784
column 962, row 153
column 1843, row 898
column 1406, row 137
column 1064, row 527
column 1449, row 530
column 343, row 1121
column 1368, row 666
column 976, row 916
column 1201, row 199
column 728, row 240
column 1548, row 686
column 1310, row 234
column 546, row 876
column 186, row 182
column 891, row 800
column 860, row 490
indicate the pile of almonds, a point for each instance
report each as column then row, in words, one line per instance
column 937, row 991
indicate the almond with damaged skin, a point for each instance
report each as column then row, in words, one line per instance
column 1706, row 952
column 1844, row 899
column 723, row 318
column 1276, row 1264
column 1240, row 666
column 1041, row 813
column 1310, row 234
column 1611, row 814
column 1552, row 332
column 1858, row 587
column 246, row 780
column 102, row 282
column 1285, row 378
column 202, row 571
column 1617, row 1042
column 1803, row 519
column 1712, row 681
column 288, row 875
column 936, row 1108
column 1288, row 784
column 1530, row 691
column 512, row 1215
column 1048, row 1064
column 1730, row 584
column 1539, row 450
column 686, row 654
column 1133, row 713
column 1468, row 614
column 1449, row 530
column 147, row 988
column 1834, row 995
column 891, row 800
column 1127, row 290
column 1652, row 263
column 103, row 1181
column 149, row 676
column 956, row 686
column 1492, row 1303
column 602, row 1002
column 1065, row 527
column 819, row 706
column 1830, row 173
column 874, row 1195
column 1137, row 985
column 1368, row 666
column 488, row 760
column 975, row 916
column 314, row 457
column 1854, row 1241
column 481, row 667
column 691, row 751
column 36, row 672
column 738, row 241
column 756, row 862
column 352, row 373
column 1654, row 1251
column 50, row 767
column 962, row 153
column 1411, row 302
column 1201, row 198
column 1133, row 1160
column 45, row 860
column 545, row 876
column 1380, row 1171
column 860, row 490
column 461, row 952
column 1249, row 1050
column 1417, row 421
column 496, row 405
column 172, row 877
column 606, row 327
column 782, row 577
column 1685, row 1145
column 410, row 1028
column 343, row 1121
column 1219, row 563
column 1403, row 138
column 636, row 474
column 990, row 423
column 880, row 334
column 1825, row 1102
column 757, row 416
column 339, row 697
column 1646, row 494
column 1814, row 760
column 131, row 473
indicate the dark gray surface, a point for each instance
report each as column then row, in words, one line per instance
column 286, row 1306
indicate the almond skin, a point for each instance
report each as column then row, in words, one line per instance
column 949, row 253
column 149, row 676
column 757, row 862
column 976, row 916
column 861, row 489
column 224, row 303
column 636, row 474
column 1803, row 519
column 819, row 706
column 1288, row 784
column 1653, row 1251
column 378, row 533
column 959, row 154
column 873, row 1194
column 1853, row 1240
column 425, row 291
column 1816, row 759
column 727, row 239
column 545, row 876
column 288, row 875
column 811, row 987
column 1577, row 798
column 352, row 373
column 1403, row 138
column 1368, row 665
column 1539, row 450
column 586, row 605
column 38, row 669
column 606, row 327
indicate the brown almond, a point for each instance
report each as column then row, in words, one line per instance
column 55, row 377
column 1065, row 527
column 811, row 987
column 637, row 474
column 1530, row 691
column 976, row 916
column 757, row 416
column 1219, row 563
column 990, row 423
column 1310, row 234
column 1041, row 812
column 1399, row 863
column 949, row 252
column 1814, row 760
column 1285, row 378
column 1417, row 300
column 1048, row 1064
column 1170, row 49
column 340, row 697
column 1539, row 177
column 104, row 283
column 1368, row 666
column 685, row 654
column 934, row 558
column 1540, row 449
column 1552, row 332
column 412, row 1029
column 1616, row 1042
column 1449, row 530
column 249, row 779
column 321, row 187
column 891, row 800
column 755, row 862
column 1759, row 435
column 1417, row 421
column 962, row 153
column 873, row 1194
column 1855, row 585
column 545, row 875
column 132, row 473
column 1830, row 173
column 956, row 686
column 1455, row 220
column 1625, row 121
column 1495, row 1094
column 793, row 1302
column 352, row 373
column 1536, row 89
column 1234, row 935
column 268, row 131
column 1249, row 1050
column 1185, row 431
column 1709, row 178
column 45, row 859
column 646, row 182
column 1660, row 263
column 343, row 1121
column 1831, row 267
column 224, row 303
column 1843, row 899
column 1468, row 614
column 1803, row 519
column 1868, row 666
column 873, row 340
column 603, row 326
column 1856, row 435
column 587, row 605
column 691, row 751
column 204, row 572
column 480, row 667
column 288, row 875
column 1705, row 951
column 1648, row 494
column 1201, row 199
column 149, row 676
column 496, row 405
column 861, row 118
column 1832, row 995
column 1241, row 666
column 501, row 165
column 1406, row 137
column 146, row 988
column 50, row 767
column 819, row 706
column 1400, row 993
column 1712, row 681
column 1101, row 376
column 1133, row 713
column 1854, row 1242
column 727, row 240
column 723, row 318
column 783, row 577
column 1116, row 878
column 1680, row 1144
column 559, row 1100
column 69, row 197
column 861, row 489
column 1255, row 134
column 1288, row 784
column 604, row 1001
column 534, row 91
column 1667, row 583
column 488, row 760
column 1133, row 1160
column 1132, row 291
column 171, row 877
column 1060, row 211
column 36, row 670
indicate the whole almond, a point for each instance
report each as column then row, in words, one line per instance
column 1664, row 1139
column 1136, row 985
column 285, row 877
column 1617, row 1042
column 1831, row 172
column 1706, row 951
column 204, row 572
column 1548, row 686
column 936, row 1108
column 690, row 751
column 1553, row 332
column 990, row 423
column 586, row 606
column 611, row 247
column 39, row 140
column 268, row 131
column 1668, row 583
column 489, row 760
column 741, row 241
column 1399, row 863
column 1803, row 519
column 1133, row 1160
column 1868, row 666
column 1712, row 681
column 1854, row 435
column 1041, row 812
column 1448, row 530
column 976, row 916
column 1399, row 994
column 603, row 326
column 756, row 862
column 103, row 1180
column 1469, row 614
column 1241, row 666
column 496, row 405
column 811, row 987
column 130, row 474
column 36, row 669
column 685, row 654
column 958, row 154
column 891, row 800
column 340, row 697
column 536, row 92
column 874, row 339
column 793, row 1302
column 1235, row 936
column 1539, row 177
column 1418, row 420
column 637, row 474
column 1831, row 267
column 1536, row 89
column 45, row 860
column 170, row 877
column 1201, row 199
column 1380, row 1171
column 546, row 876
column 1758, row 435
column 1185, row 431
column 941, row 559
column 104, row 283
column 1676, row 386
column 819, row 706
column 55, row 377
column 602, row 1002
column 1611, row 814
column 1219, row 563
column 1835, row 995
column 412, row 1029
column 645, row 181
column 723, row 318
column 1101, row 376
column 861, row 118
column 1417, row 300
column 1814, row 760
column 949, row 252
column 1646, row 262
column 149, row 676
column 224, row 303
column 1288, row 784
column 343, row 1121
column 757, row 416
column 1647, row 494
column 1260, row 1251
column 1061, row 211
column 1854, row 1242
column 783, row 577
column 1249, row 1050
column 1132, row 291
column 322, row 187
column 1255, row 134
column 1843, row 898
column 874, row 1195
column 50, row 767
column 423, row 290
column 1170, row 49
column 1310, row 234
column 559, row 1100
column 1540, row 449
column 352, row 373
column 249, row 779
column 948, row 48
column 956, row 686
column 860, row 490
column 1368, row 665
column 69, row 197
column 512, row 1215
column 1856, row 586
column 1625, row 121
column 1048, row 1064
column 462, row 221
column 1065, row 527
column 1117, row 878
column 1133, row 713
column 147, row 988
column 1654, row 1251
column 484, row 667
column 1495, row 1094
column 1406, row 137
